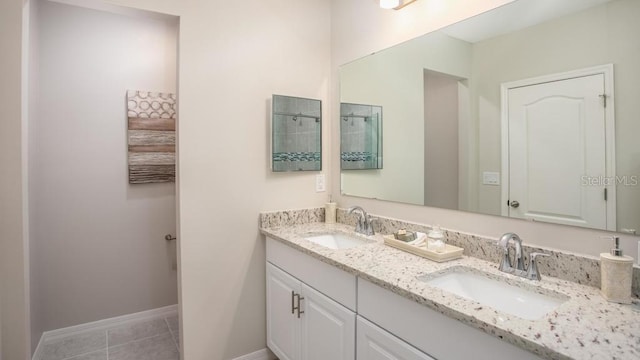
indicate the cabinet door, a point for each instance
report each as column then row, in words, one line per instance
column 374, row 343
column 328, row 328
column 283, row 326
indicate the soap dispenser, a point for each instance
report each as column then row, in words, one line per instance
column 436, row 240
column 616, row 270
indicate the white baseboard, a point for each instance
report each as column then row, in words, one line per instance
column 53, row 335
column 258, row 355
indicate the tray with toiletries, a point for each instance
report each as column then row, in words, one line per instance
column 418, row 243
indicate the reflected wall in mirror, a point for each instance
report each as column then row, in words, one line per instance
column 360, row 137
column 296, row 125
column 527, row 111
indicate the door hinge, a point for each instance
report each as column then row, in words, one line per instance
column 604, row 99
column 605, row 194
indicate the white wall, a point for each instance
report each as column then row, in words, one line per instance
column 358, row 29
column 14, row 284
column 98, row 247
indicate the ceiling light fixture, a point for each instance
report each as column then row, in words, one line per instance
column 395, row 4
column 389, row 4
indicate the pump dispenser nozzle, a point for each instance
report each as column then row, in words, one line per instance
column 616, row 251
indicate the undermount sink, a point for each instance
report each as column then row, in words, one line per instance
column 336, row 240
column 527, row 303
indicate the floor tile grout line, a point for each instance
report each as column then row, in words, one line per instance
column 59, row 338
column 88, row 352
column 173, row 337
column 106, row 333
column 146, row 338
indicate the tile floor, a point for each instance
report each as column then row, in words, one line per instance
column 151, row 339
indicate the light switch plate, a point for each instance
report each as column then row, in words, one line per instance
column 490, row 178
column 320, row 184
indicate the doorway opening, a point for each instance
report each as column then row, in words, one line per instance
column 99, row 262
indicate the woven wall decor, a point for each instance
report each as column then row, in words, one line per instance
column 151, row 136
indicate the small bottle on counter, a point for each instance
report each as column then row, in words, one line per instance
column 435, row 240
column 616, row 271
column 330, row 212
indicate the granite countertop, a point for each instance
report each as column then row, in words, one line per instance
column 584, row 327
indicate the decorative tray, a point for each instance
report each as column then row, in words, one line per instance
column 449, row 253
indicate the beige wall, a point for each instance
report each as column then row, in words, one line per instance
column 353, row 37
column 592, row 37
column 233, row 56
column 14, row 285
column 98, row 247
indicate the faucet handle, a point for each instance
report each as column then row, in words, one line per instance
column 370, row 220
column 533, row 273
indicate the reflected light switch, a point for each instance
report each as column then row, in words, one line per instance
column 490, row 178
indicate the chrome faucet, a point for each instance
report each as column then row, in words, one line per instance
column 364, row 223
column 531, row 272
column 505, row 264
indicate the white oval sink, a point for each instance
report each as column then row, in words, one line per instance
column 335, row 240
column 527, row 303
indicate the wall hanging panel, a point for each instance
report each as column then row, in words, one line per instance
column 296, row 134
column 151, row 136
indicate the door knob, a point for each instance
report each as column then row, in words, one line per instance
column 514, row 204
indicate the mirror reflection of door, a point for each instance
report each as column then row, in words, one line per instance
column 557, row 138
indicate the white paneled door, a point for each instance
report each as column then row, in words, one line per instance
column 328, row 328
column 557, row 164
column 283, row 327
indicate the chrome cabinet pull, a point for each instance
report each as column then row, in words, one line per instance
column 300, row 298
column 293, row 306
column 515, row 204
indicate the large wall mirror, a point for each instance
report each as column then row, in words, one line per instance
column 531, row 111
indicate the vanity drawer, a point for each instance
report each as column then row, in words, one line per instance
column 373, row 342
column 327, row 279
column 436, row 334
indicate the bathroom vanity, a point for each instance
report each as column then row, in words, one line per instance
column 371, row 301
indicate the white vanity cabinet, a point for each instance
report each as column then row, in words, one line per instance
column 432, row 332
column 304, row 323
column 375, row 343
column 389, row 326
